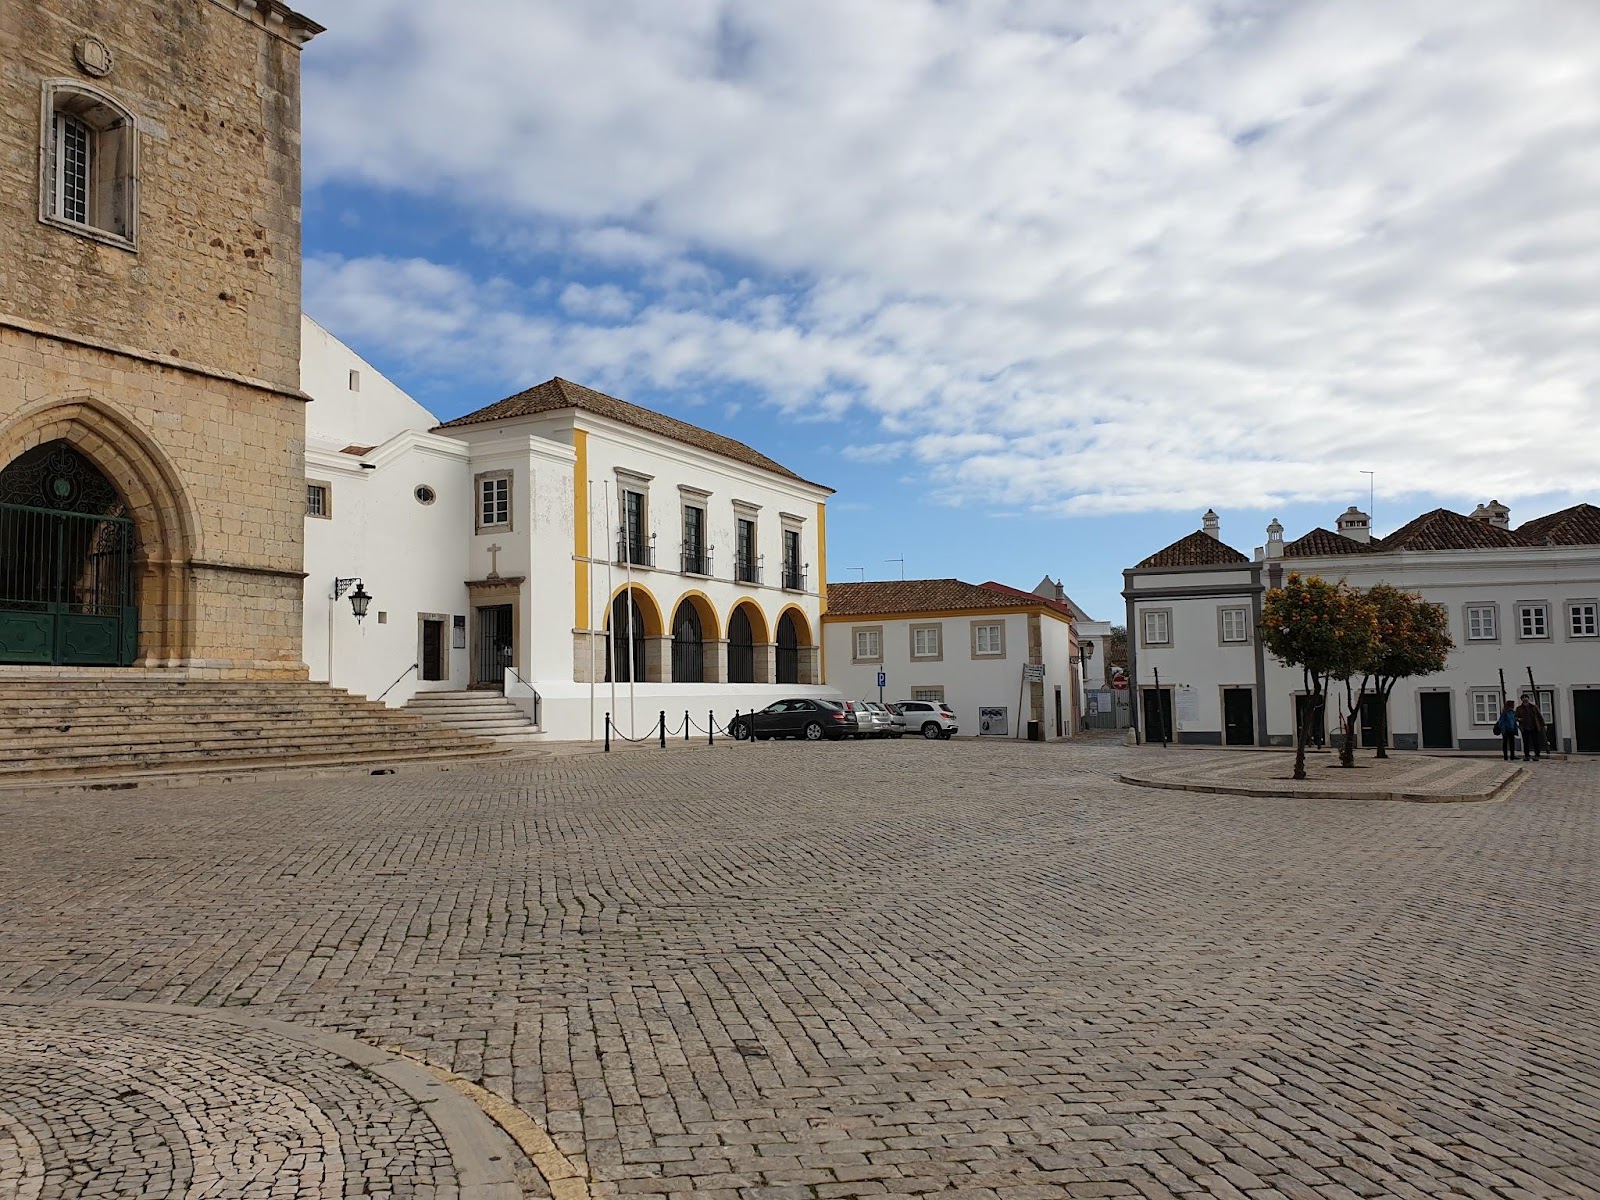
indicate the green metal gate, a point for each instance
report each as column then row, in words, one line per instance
column 66, row 564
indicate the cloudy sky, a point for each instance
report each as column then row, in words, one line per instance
column 1031, row 282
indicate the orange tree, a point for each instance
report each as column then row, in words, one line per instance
column 1327, row 630
column 1413, row 640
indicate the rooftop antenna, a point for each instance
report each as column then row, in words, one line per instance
column 902, row 563
column 863, row 571
column 1372, row 498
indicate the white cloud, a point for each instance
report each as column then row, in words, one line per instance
column 1120, row 255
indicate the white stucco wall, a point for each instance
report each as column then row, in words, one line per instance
column 969, row 683
column 367, row 416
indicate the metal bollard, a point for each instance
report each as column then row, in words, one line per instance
column 711, row 727
column 608, row 733
column 686, row 724
column 663, row 729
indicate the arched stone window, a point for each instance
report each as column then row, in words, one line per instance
column 688, row 646
column 741, row 648
column 90, row 169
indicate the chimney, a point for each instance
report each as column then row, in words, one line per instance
column 1495, row 513
column 1355, row 525
column 1211, row 524
column 1275, row 539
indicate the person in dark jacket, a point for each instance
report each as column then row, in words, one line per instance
column 1532, row 722
column 1506, row 727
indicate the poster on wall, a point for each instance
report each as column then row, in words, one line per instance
column 1188, row 706
column 458, row 633
column 994, row 722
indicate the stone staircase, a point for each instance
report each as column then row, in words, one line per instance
column 63, row 727
column 479, row 713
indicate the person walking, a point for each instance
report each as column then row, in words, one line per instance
column 1531, row 721
column 1506, row 727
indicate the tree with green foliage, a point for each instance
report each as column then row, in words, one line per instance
column 1413, row 640
column 1328, row 630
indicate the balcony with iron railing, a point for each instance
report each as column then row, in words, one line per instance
column 747, row 569
column 637, row 553
column 794, row 577
column 695, row 561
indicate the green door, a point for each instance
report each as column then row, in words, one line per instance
column 66, row 563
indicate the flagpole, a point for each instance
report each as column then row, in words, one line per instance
column 611, row 637
column 633, row 667
column 588, row 589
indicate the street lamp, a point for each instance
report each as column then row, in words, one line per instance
column 359, row 599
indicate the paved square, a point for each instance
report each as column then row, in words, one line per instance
column 786, row 970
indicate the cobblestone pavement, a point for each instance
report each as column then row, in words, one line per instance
column 1415, row 777
column 787, row 970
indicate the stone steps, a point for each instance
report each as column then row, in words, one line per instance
column 478, row 714
column 56, row 727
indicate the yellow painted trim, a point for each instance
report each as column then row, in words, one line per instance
column 822, row 558
column 709, row 619
column 803, row 624
column 936, row 614
column 648, row 611
column 581, row 615
column 762, row 634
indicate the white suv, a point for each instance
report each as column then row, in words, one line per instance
column 931, row 718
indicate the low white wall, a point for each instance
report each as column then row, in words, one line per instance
column 566, row 714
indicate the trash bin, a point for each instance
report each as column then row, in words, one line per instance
column 1035, row 732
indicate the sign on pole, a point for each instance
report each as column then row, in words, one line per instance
column 883, row 679
column 1033, row 671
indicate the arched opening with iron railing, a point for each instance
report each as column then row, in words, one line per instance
column 688, row 645
column 625, row 634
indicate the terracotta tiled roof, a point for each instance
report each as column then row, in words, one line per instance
column 1064, row 607
column 553, row 395
column 1575, row 526
column 1321, row 542
column 1442, row 529
column 919, row 595
column 1199, row 549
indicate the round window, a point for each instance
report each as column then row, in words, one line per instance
column 424, row 494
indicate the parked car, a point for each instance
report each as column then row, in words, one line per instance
column 802, row 718
column 870, row 722
column 931, row 718
column 895, row 724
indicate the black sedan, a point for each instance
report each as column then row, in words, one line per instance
column 809, row 719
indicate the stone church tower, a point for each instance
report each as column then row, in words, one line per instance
column 152, row 485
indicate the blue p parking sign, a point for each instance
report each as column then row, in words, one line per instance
column 883, row 679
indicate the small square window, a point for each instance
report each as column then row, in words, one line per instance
column 1583, row 618
column 989, row 640
column 925, row 641
column 869, row 645
column 1486, row 706
column 929, row 695
column 494, row 502
column 1235, row 625
column 1533, row 621
column 318, row 500
column 1481, row 625
column 1157, row 627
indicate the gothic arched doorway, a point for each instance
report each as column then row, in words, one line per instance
column 67, row 594
column 788, row 650
column 688, row 645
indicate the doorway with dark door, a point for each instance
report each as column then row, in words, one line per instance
column 1586, row 720
column 1239, row 716
column 496, row 649
column 1060, row 728
column 432, row 663
column 1317, row 733
column 1373, row 727
column 1438, row 726
column 1157, row 708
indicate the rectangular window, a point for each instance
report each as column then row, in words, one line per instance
column 355, row 381
column 793, row 578
column 1481, row 623
column 1583, row 618
column 71, row 147
column 1235, row 624
column 317, row 500
column 925, row 641
column 868, row 645
column 494, row 502
column 1158, row 627
column 746, row 566
column 635, row 547
column 1486, row 705
column 1533, row 621
column 928, row 695
column 694, row 540
column 988, row 641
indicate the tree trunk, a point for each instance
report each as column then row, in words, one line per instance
column 1383, row 720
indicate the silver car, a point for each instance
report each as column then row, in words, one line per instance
column 868, row 723
column 896, row 723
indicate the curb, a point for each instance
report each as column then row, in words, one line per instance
column 1500, row 791
column 479, row 1149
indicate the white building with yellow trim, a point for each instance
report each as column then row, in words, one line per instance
column 560, row 542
